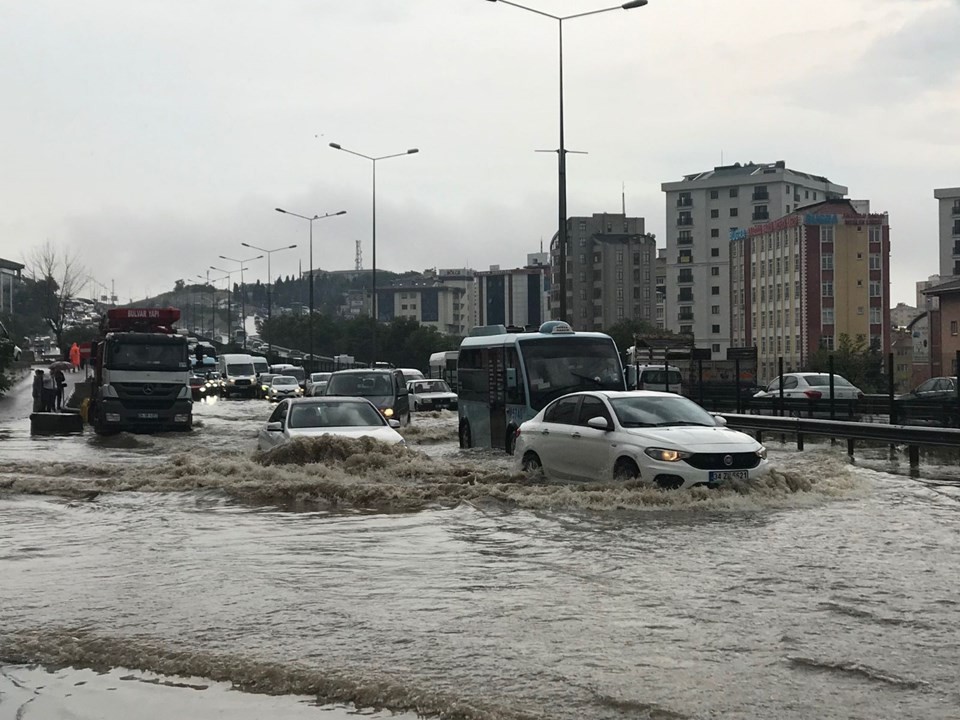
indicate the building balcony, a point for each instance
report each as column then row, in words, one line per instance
column 684, row 241
column 684, row 222
column 684, row 202
column 956, row 229
column 956, row 249
column 685, row 259
column 760, row 216
column 685, row 298
column 685, row 280
column 760, row 196
column 956, row 210
column 685, row 317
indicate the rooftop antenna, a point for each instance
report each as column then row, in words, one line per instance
column 623, row 198
column 358, row 263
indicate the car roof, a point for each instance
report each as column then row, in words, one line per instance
column 614, row 394
column 327, row 399
column 356, row 371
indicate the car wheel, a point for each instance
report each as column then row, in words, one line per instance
column 510, row 441
column 625, row 469
column 531, row 463
column 466, row 441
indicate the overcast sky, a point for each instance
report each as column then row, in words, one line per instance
column 160, row 135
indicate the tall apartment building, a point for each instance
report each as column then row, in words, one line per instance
column 798, row 283
column 703, row 209
column 661, row 287
column 513, row 297
column 610, row 266
column 949, row 202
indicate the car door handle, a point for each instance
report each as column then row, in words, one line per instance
column 544, row 432
column 574, row 434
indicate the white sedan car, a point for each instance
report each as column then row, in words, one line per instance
column 662, row 438
column 283, row 386
column 812, row 386
column 352, row 417
column 431, row 395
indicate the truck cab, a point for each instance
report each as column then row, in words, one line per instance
column 142, row 371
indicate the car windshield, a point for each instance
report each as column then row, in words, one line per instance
column 638, row 411
column 824, row 380
column 431, row 386
column 372, row 384
column 285, row 381
column 335, row 414
column 240, row 369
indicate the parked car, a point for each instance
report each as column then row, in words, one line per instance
column 385, row 388
column 811, row 385
column 431, row 395
column 934, row 402
column 283, row 386
column 317, row 383
column 659, row 437
column 311, row 417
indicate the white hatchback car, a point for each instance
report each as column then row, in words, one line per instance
column 662, row 438
column 311, row 417
column 283, row 386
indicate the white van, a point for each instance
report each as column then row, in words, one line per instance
column 238, row 375
column 260, row 364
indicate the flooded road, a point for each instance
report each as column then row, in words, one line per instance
column 435, row 580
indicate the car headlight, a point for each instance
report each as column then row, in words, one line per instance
column 265, row 388
column 388, row 412
column 666, row 454
column 762, row 453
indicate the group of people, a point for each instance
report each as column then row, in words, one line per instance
column 48, row 386
column 48, row 390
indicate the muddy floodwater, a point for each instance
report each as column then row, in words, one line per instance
column 443, row 582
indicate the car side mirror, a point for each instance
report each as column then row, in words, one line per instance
column 600, row 423
column 274, row 427
column 720, row 420
column 393, row 423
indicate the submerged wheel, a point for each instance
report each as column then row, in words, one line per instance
column 531, row 463
column 466, row 440
column 625, row 469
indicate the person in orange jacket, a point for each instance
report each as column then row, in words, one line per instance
column 75, row 357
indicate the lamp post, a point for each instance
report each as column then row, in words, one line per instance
column 373, row 161
column 562, row 152
column 311, row 221
column 243, row 294
column 268, row 253
column 227, row 274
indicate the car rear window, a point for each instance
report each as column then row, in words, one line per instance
column 824, row 380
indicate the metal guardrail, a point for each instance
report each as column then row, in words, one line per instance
column 911, row 436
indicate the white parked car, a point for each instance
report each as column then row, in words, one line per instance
column 283, row 386
column 431, row 395
column 658, row 437
column 311, row 417
column 317, row 383
column 812, row 385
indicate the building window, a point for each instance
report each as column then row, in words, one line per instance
column 619, row 275
column 827, row 316
column 874, row 261
column 826, row 262
column 620, row 312
column 714, row 194
column 715, row 347
column 686, row 329
column 636, row 258
column 874, row 233
column 597, row 275
column 734, row 192
column 826, row 233
column 715, row 329
column 714, row 213
column 596, row 258
column 874, row 289
column 619, row 293
column 583, row 276
column 715, row 232
column 619, row 257
column 583, row 259
column 714, row 271
column 714, row 252
column 583, row 226
column 583, row 293
column 826, row 342
column 715, row 290
column 734, row 212
column 827, row 289
column 875, row 316
column 953, row 327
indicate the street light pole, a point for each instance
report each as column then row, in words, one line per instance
column 373, row 161
column 270, row 281
column 243, row 294
column 562, row 152
column 311, row 221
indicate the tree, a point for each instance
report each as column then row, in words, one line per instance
column 859, row 363
column 624, row 331
column 62, row 275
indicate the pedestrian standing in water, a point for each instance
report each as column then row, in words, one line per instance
column 38, row 391
column 49, row 395
column 60, row 379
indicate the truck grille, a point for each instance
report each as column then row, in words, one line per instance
column 152, row 396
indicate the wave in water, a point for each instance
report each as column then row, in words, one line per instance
column 330, row 472
column 857, row 670
column 81, row 648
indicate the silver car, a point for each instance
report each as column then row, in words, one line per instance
column 283, row 386
column 812, row 386
column 311, row 417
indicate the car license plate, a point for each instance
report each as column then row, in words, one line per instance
column 147, row 416
column 727, row 475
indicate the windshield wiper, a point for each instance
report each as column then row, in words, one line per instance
column 672, row 423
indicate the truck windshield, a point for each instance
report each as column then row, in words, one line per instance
column 145, row 356
column 241, row 369
column 557, row 366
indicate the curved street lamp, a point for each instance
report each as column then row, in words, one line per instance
column 311, row 221
column 269, row 280
column 562, row 152
column 373, row 161
column 243, row 293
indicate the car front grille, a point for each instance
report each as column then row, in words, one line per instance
column 718, row 461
